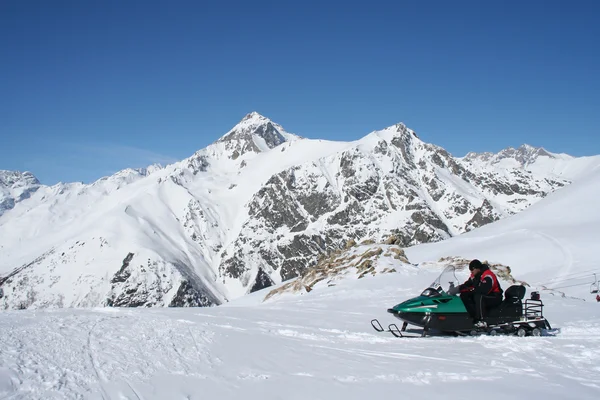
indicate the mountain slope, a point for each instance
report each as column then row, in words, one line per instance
column 319, row 343
column 256, row 207
column 557, row 239
column 549, row 246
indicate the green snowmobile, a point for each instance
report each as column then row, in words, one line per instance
column 437, row 309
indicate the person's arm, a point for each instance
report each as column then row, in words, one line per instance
column 467, row 286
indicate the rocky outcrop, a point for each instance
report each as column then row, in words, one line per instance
column 154, row 284
column 353, row 261
column 189, row 296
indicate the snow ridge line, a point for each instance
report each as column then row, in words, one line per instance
column 25, row 266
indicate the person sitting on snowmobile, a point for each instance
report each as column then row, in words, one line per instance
column 480, row 292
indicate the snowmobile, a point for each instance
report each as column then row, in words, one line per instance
column 437, row 309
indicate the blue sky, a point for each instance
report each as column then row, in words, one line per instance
column 91, row 87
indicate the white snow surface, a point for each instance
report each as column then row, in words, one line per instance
column 320, row 345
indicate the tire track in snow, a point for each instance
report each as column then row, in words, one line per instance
column 199, row 344
column 567, row 255
column 93, row 360
column 134, row 391
column 183, row 362
column 95, row 368
column 395, row 355
column 194, row 340
column 202, row 348
column 567, row 267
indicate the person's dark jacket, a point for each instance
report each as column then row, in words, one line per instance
column 469, row 284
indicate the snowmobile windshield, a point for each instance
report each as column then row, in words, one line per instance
column 447, row 279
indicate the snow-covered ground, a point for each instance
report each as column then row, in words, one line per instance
column 320, row 345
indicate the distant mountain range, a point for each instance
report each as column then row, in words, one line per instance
column 255, row 208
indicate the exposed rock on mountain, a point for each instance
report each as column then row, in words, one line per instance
column 257, row 207
column 352, row 262
column 15, row 187
column 369, row 259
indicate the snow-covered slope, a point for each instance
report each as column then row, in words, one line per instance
column 319, row 344
column 552, row 245
column 253, row 209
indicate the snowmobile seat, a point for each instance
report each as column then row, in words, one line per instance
column 511, row 307
column 514, row 294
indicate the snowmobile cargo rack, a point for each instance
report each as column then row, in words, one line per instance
column 533, row 309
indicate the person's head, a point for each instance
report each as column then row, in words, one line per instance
column 475, row 267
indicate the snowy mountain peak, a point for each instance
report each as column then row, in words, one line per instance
column 406, row 131
column 397, row 133
column 523, row 155
column 253, row 117
column 402, row 128
column 15, row 186
column 256, row 124
column 150, row 169
column 255, row 133
column 13, row 179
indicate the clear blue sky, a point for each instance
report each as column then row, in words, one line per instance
column 91, row 87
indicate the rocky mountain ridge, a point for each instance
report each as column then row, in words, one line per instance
column 15, row 187
column 255, row 208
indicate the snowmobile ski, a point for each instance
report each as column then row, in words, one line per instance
column 394, row 330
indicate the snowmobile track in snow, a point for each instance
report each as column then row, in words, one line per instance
column 567, row 255
column 134, row 391
column 93, row 362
